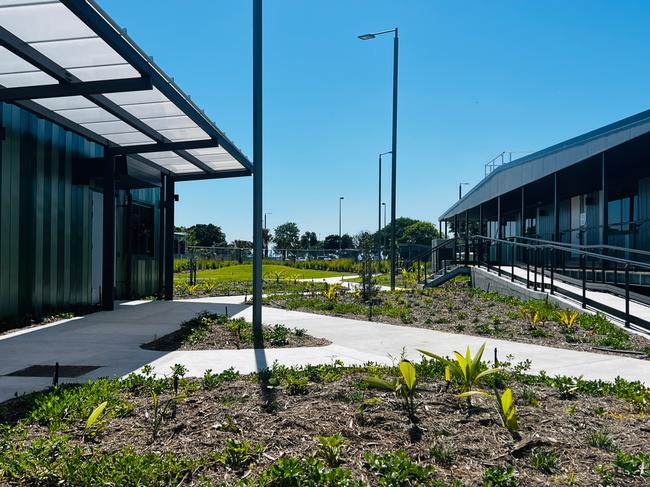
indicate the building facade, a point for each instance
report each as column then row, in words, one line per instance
column 591, row 190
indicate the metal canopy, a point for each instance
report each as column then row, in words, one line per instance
column 68, row 61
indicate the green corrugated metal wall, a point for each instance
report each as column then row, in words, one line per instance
column 44, row 219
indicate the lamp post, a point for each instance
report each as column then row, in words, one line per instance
column 384, row 205
column 380, row 203
column 340, row 201
column 460, row 190
column 393, row 189
column 257, row 174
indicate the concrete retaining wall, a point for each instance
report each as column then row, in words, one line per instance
column 487, row 281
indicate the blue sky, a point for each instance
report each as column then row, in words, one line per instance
column 476, row 78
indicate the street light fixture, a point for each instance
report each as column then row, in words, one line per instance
column 460, row 190
column 393, row 190
column 340, row 200
column 380, row 203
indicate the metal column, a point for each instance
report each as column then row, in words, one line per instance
column 258, row 338
column 466, row 237
column 161, row 240
column 605, row 210
column 108, row 237
column 522, row 223
column 393, row 184
column 169, row 238
column 556, row 211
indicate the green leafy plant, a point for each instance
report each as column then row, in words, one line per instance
column 530, row 396
column 442, row 454
column 505, row 476
column 567, row 318
column 238, row 454
column 507, row 410
column 403, row 386
column 600, row 439
column 330, row 448
column 94, row 417
column 545, row 460
column 278, row 335
column 632, row 465
column 159, row 412
column 395, row 469
column 332, row 291
column 466, row 370
column 310, row 471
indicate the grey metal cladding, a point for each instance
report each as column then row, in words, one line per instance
column 535, row 166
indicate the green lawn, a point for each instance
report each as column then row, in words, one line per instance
column 382, row 280
column 244, row 272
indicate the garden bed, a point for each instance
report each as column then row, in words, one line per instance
column 458, row 308
column 207, row 331
column 323, row 425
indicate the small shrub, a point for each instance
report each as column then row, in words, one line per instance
column 500, row 477
column 599, row 439
column 396, row 469
column 442, row 454
column 530, row 396
column 632, row 465
column 238, row 454
column 545, row 460
column 330, row 448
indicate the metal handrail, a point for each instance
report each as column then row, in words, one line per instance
column 563, row 248
column 592, row 246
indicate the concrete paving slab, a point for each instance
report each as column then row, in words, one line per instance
column 112, row 340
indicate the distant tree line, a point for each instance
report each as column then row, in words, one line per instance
column 288, row 236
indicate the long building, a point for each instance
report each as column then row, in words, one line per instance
column 593, row 189
column 93, row 137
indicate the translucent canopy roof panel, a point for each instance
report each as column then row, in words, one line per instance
column 68, row 60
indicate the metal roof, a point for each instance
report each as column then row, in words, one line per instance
column 69, row 62
column 535, row 166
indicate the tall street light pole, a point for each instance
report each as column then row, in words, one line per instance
column 393, row 187
column 340, row 201
column 384, row 205
column 258, row 338
column 379, row 206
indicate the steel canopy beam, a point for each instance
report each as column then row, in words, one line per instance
column 75, row 88
column 215, row 175
column 49, row 67
column 164, row 146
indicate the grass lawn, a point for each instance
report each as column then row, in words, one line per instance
column 244, row 272
column 382, row 280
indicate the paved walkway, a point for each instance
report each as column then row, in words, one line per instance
column 112, row 341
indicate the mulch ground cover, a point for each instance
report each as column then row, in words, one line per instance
column 458, row 308
column 217, row 332
column 560, row 441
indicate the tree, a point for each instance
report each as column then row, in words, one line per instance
column 242, row 244
column 331, row 242
column 286, row 236
column 420, row 232
column 308, row 240
column 204, row 235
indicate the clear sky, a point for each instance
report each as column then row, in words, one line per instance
column 476, row 78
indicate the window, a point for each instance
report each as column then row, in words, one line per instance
column 142, row 229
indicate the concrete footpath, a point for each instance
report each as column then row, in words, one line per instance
column 111, row 341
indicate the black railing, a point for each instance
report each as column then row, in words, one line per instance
column 551, row 263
